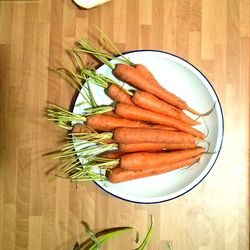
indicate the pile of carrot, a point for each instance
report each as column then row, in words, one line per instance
column 151, row 132
column 147, row 132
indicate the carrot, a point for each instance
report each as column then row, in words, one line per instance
column 131, row 76
column 150, row 102
column 147, row 74
column 96, row 119
column 142, row 135
column 133, row 112
column 145, row 160
column 156, row 126
column 118, row 94
column 126, row 140
column 79, row 128
column 112, row 154
column 134, row 77
column 145, row 147
column 153, row 147
column 119, row 174
column 105, row 122
column 96, row 122
column 127, row 72
column 111, row 113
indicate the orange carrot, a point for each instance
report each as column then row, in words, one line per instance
column 145, row 160
column 131, row 76
column 112, row 154
column 143, row 139
column 142, row 135
column 150, row 102
column 119, row 174
column 147, row 74
column 153, row 147
column 111, row 113
column 105, row 122
column 133, row 112
column 79, row 128
column 156, row 126
column 145, row 147
column 96, row 123
column 118, row 94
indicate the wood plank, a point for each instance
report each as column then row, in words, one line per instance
column 38, row 214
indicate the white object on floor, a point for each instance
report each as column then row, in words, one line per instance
column 88, row 4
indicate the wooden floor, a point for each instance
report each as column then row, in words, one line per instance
column 37, row 214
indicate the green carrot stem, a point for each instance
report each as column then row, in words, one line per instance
column 74, row 170
column 83, row 152
column 77, row 83
column 93, row 136
column 63, row 117
column 78, row 59
column 107, row 236
column 105, row 165
column 98, row 110
column 112, row 46
column 91, row 96
column 89, row 177
column 100, row 79
column 148, row 236
column 87, row 46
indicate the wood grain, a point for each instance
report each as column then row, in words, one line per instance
column 38, row 214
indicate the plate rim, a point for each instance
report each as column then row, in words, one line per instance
column 222, row 130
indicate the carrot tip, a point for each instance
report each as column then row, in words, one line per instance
column 201, row 114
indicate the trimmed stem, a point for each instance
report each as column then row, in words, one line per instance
column 63, row 117
column 87, row 46
column 148, row 236
column 98, row 110
column 83, row 150
column 93, row 136
column 74, row 170
column 112, row 46
column 77, row 84
column 100, row 79
column 105, row 237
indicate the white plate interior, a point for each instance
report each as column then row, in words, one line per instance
column 184, row 80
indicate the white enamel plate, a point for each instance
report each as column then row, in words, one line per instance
column 187, row 82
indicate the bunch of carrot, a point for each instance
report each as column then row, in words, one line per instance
column 146, row 133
